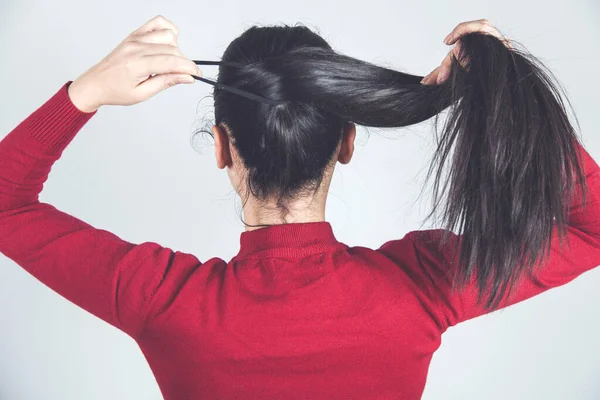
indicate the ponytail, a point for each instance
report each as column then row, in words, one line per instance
column 515, row 162
column 514, row 169
column 515, row 152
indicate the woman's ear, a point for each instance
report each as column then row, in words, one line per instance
column 347, row 145
column 222, row 154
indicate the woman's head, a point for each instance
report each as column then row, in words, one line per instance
column 275, row 153
column 287, row 152
column 514, row 164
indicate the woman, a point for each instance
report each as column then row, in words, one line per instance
column 296, row 313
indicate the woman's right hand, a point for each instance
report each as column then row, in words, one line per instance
column 145, row 63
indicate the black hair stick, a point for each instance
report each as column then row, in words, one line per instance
column 232, row 89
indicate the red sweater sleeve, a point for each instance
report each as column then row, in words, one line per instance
column 95, row 269
column 430, row 265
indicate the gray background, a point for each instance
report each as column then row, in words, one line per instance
column 133, row 171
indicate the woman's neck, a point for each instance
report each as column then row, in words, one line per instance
column 261, row 214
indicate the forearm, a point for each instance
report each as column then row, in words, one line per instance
column 28, row 152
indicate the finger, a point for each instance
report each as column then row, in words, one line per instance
column 157, row 23
column 149, row 49
column 457, row 53
column 167, row 64
column 463, row 28
column 456, row 50
column 456, row 28
column 425, row 79
column 431, row 78
column 158, row 83
column 446, row 66
column 435, row 76
column 160, row 36
column 472, row 26
column 484, row 28
column 447, row 61
column 443, row 74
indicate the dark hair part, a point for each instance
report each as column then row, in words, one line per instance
column 515, row 164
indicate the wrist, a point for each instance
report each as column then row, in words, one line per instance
column 83, row 96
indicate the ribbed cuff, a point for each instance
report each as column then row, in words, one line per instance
column 57, row 121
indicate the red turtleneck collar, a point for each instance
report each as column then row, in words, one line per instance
column 288, row 240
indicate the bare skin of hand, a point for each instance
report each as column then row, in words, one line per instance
column 145, row 63
column 441, row 73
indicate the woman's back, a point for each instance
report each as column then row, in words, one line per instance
column 298, row 312
column 295, row 311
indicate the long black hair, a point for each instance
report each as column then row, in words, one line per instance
column 514, row 167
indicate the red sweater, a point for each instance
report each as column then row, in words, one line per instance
column 295, row 314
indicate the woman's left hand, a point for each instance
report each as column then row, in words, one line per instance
column 441, row 73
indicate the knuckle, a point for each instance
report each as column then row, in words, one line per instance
column 170, row 36
column 164, row 21
column 130, row 46
column 170, row 80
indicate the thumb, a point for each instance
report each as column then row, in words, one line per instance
column 160, row 82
